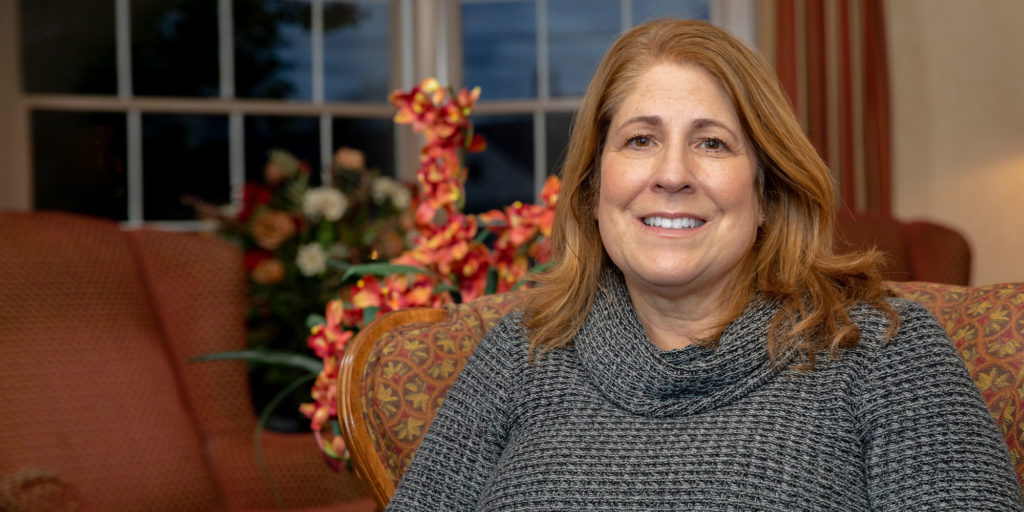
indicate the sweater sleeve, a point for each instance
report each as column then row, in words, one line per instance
column 461, row 448
column 929, row 441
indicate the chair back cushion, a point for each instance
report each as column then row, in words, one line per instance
column 89, row 392
column 915, row 251
column 409, row 372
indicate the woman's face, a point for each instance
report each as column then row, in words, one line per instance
column 678, row 206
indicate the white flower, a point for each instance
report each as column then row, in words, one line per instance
column 385, row 188
column 312, row 259
column 324, row 202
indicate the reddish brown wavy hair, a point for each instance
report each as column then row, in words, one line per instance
column 792, row 259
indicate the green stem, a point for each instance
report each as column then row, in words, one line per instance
column 261, row 423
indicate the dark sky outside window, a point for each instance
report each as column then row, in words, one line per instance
column 79, row 162
column 580, row 32
column 297, row 135
column 646, row 10
column 504, row 173
column 78, row 35
column 500, row 48
column 374, row 137
column 174, row 48
column 183, row 155
column 357, row 51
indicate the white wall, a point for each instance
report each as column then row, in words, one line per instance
column 957, row 86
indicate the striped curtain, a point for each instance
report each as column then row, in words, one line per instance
column 831, row 59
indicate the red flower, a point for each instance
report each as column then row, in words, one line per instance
column 253, row 195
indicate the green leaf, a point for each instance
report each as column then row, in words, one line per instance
column 338, row 264
column 265, row 356
column 381, row 269
column 444, row 287
column 261, row 424
column 314, row 320
column 535, row 270
column 492, row 281
column 325, row 233
column 369, row 314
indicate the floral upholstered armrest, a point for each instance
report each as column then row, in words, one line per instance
column 36, row 490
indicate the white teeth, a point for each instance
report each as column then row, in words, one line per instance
column 676, row 223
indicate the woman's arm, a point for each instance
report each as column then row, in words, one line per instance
column 462, row 446
column 929, row 441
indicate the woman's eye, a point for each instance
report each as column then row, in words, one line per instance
column 712, row 144
column 640, row 141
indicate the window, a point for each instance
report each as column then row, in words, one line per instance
column 155, row 101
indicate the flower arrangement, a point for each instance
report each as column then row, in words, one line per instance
column 453, row 256
column 299, row 237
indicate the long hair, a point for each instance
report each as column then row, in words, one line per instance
column 792, row 259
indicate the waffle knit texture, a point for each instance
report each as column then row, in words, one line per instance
column 612, row 423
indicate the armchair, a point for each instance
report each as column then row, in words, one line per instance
column 102, row 408
column 915, row 251
column 396, row 372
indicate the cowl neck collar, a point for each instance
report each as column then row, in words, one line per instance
column 637, row 376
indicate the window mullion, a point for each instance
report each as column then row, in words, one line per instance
column 123, row 39
column 135, row 183
column 317, row 41
column 236, row 155
column 226, row 48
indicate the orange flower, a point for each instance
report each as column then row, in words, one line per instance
column 351, row 159
column 396, row 292
column 472, row 271
column 268, row 271
column 271, row 228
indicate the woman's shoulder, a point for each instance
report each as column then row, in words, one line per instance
column 917, row 332
column 507, row 339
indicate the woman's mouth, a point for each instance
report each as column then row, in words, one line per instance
column 674, row 223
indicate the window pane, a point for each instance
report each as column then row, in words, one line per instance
column 297, row 135
column 68, row 46
column 504, row 172
column 273, row 49
column 79, row 163
column 357, row 55
column 558, row 125
column 374, row 137
column 174, row 48
column 580, row 32
column 646, row 10
column 183, row 155
column 500, row 48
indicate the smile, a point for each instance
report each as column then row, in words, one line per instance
column 677, row 223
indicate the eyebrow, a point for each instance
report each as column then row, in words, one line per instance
column 696, row 123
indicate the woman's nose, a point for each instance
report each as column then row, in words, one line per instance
column 674, row 172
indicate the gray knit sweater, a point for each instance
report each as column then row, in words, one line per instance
column 613, row 423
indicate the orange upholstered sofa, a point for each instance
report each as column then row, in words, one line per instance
column 914, row 250
column 102, row 409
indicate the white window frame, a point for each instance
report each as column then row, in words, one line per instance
column 426, row 41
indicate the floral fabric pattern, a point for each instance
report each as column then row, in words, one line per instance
column 411, row 368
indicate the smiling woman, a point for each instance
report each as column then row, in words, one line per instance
column 697, row 344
